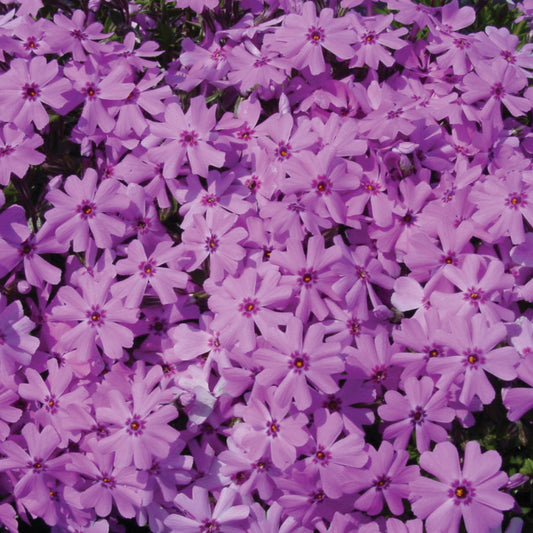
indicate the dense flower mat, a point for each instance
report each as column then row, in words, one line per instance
column 266, row 266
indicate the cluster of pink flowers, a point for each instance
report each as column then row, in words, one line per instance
column 288, row 267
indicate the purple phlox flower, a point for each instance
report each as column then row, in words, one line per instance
column 247, row 472
column 271, row 521
column 373, row 360
column 251, row 66
column 421, row 410
column 215, row 239
column 186, row 134
column 503, row 206
column 248, row 301
column 426, row 259
column 340, row 133
column 27, row 86
column 100, row 319
column 455, row 50
column 143, row 271
column 469, row 491
column 386, row 478
column 373, row 38
column 135, row 56
column 61, row 404
column 309, row 274
column 87, row 209
column 500, row 42
column 19, row 244
column 16, row 344
column 358, row 271
column 8, row 413
column 220, row 193
column 406, row 218
column 498, row 83
column 284, row 137
column 72, row 35
column 99, row 92
column 32, row 37
column 519, row 400
column 270, row 430
column 108, row 484
column 302, row 37
column 473, row 340
column 294, row 359
column 420, row 337
column 17, row 152
column 143, row 97
column 409, row 13
column 198, row 516
column 321, row 182
column 37, row 467
column 372, row 189
column 139, row 431
column 480, row 283
column 335, row 460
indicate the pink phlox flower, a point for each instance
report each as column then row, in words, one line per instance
column 337, row 460
column 302, row 37
column 107, row 484
column 186, row 135
column 272, row 520
column 138, row 431
column 386, row 479
column 145, row 270
column 250, row 300
column 473, row 341
column 87, row 209
column 470, row 490
column 9, row 414
column 293, row 359
column 17, row 152
column 480, row 283
column 321, row 181
column 358, row 271
column 374, row 36
column 503, row 206
column 99, row 90
column 100, row 318
column 136, row 56
column 421, row 410
column 496, row 82
column 309, row 274
column 73, row 35
column 26, row 86
column 270, row 429
column 59, row 402
column 215, row 238
column 199, row 516
column 144, row 97
column 373, row 359
column 16, row 344
column 19, row 244
column 32, row 37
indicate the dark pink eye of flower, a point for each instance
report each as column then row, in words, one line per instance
column 322, row 456
column 261, row 62
column 315, row 35
column 31, row 44
column 30, row 91
column 283, row 151
column 248, row 307
column 307, row 277
column 108, row 481
column 379, row 374
column 245, row 133
column 133, row 95
column 96, row 316
column 449, row 259
column 189, row 138
column 516, row 200
column 38, row 465
column 299, row 362
column 211, row 243
column 50, row 404
column 369, row 38
column 135, row 426
column 6, row 150
column 461, row 43
column 209, row 200
column 78, row 34
column 218, row 55
column 147, row 269
column 273, row 428
column 27, row 248
column 253, row 184
column 508, row 56
column 394, row 113
column 382, row 482
column 322, row 185
column 475, row 295
column 317, row 497
column 354, row 326
column 417, row 416
column 209, row 526
column 91, row 91
column 332, row 404
column 497, row 90
column 86, row 210
column 462, row 492
column 240, row 477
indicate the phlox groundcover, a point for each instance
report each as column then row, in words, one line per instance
column 266, row 266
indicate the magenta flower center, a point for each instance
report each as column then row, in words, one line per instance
column 322, row 185
column 86, row 210
column 147, row 269
column 273, row 428
column 317, row 497
column 209, row 526
column 30, row 91
column 108, row 481
column 96, row 316
column 369, row 38
column 211, row 243
column 497, row 90
column 299, row 362
column 210, row 200
column 249, row 307
column 188, row 138
column 315, row 35
column 516, row 200
column 332, row 404
column 6, row 150
column 91, row 91
column 283, row 151
column 31, row 44
column 382, row 483
column 417, row 415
